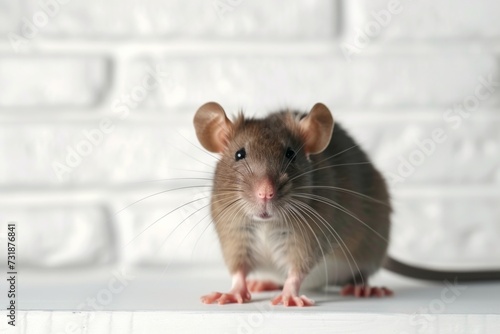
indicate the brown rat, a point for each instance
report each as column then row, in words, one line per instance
column 299, row 201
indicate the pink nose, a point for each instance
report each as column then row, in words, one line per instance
column 265, row 189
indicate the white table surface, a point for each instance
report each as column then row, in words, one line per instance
column 156, row 302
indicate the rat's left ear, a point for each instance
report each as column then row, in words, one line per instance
column 213, row 128
column 316, row 129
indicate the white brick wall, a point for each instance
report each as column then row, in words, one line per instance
column 62, row 235
column 85, row 81
column 286, row 79
column 444, row 20
column 51, row 81
column 193, row 19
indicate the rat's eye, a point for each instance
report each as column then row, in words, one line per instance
column 290, row 154
column 241, row 154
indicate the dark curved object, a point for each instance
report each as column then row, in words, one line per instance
column 440, row 275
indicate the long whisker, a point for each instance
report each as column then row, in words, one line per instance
column 223, row 212
column 334, row 254
column 165, row 215
column 337, row 206
column 193, row 171
column 297, row 211
column 322, row 231
column 347, row 191
column 178, row 225
column 330, row 228
column 211, row 155
column 167, row 179
column 335, row 155
column 198, row 148
column 161, row 192
column 330, row 166
column 192, row 228
column 287, row 219
column 212, row 221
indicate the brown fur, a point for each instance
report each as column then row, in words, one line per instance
column 301, row 240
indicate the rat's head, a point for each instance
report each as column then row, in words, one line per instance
column 263, row 161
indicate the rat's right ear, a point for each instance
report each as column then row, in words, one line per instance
column 317, row 128
column 212, row 127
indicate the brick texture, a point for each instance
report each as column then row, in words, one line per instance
column 441, row 230
column 459, row 155
column 426, row 20
column 147, row 151
column 60, row 236
column 9, row 14
column 302, row 81
column 52, row 82
column 77, row 120
column 196, row 19
column 58, row 155
column 170, row 228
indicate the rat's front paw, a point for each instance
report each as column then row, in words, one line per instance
column 288, row 299
column 227, row 298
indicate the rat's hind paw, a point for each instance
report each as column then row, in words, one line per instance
column 292, row 300
column 226, row 298
column 261, row 286
column 365, row 291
